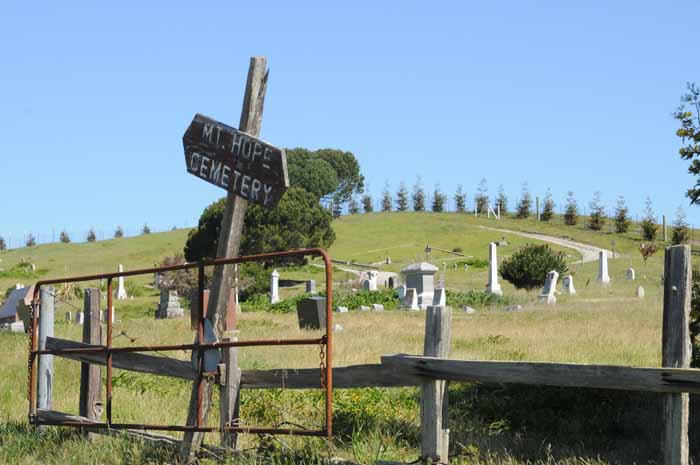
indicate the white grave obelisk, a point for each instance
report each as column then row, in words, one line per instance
column 493, row 286
column 274, row 287
column 121, row 291
column 603, row 276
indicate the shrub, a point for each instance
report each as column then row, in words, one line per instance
column 528, row 267
column 145, row 229
column 91, row 236
column 64, row 237
column 647, row 250
column 119, row 232
column 3, row 245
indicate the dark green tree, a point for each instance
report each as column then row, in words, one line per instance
column 597, row 217
column 3, row 245
column 418, row 196
column 119, row 232
column 688, row 115
column 548, row 208
column 348, row 178
column 680, row 234
column 460, row 200
column 64, row 237
column 387, row 202
column 367, row 206
column 502, row 201
column 525, row 204
column 298, row 221
column 91, row 235
column 571, row 212
column 648, row 223
column 622, row 220
column 402, row 198
column 482, row 197
column 31, row 240
column 313, row 174
column 439, row 200
column 353, row 206
column 145, row 229
column 528, row 267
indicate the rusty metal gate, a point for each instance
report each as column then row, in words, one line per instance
column 325, row 342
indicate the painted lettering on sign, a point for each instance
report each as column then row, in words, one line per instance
column 235, row 161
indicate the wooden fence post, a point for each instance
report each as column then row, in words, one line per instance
column 676, row 350
column 434, row 399
column 45, row 372
column 90, row 375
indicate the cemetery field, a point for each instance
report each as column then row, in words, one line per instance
column 489, row 424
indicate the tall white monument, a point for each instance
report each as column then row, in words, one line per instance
column 121, row 291
column 274, row 287
column 603, row 276
column 493, row 286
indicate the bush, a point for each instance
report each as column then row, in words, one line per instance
column 528, row 267
column 91, row 236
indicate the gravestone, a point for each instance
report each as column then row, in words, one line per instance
column 411, row 299
column 493, row 287
column 513, row 308
column 388, row 260
column 169, row 306
column 274, row 287
column 402, row 292
column 311, row 313
column 468, row 310
column 440, row 297
column 550, row 285
column 79, row 318
column 421, row 278
column 640, row 292
column 69, row 317
column 341, row 309
column 568, row 285
column 121, row 290
column 311, row 286
column 603, row 276
column 630, row 274
column 370, row 281
column 378, row 307
column 364, row 308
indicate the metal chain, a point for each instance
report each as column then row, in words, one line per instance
column 322, row 364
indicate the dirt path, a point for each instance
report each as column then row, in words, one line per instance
column 589, row 253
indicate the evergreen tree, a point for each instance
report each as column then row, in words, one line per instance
column 91, row 236
column 145, row 229
column 622, row 220
column 386, row 198
column 648, row 224
column 418, row 196
column 31, row 240
column 502, row 201
column 439, row 200
column 482, row 197
column 571, row 213
column 119, row 232
column 548, row 209
column 64, row 237
column 597, row 217
column 402, row 198
column 680, row 233
column 460, row 199
column 525, row 203
column 353, row 207
column 3, row 245
column 367, row 203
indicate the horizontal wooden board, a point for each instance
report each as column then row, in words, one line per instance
column 550, row 374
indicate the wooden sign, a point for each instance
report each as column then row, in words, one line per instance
column 235, row 161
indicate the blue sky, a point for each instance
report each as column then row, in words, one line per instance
column 95, row 97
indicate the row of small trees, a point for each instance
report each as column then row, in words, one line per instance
column 597, row 218
column 65, row 238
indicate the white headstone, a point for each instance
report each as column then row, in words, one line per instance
column 69, row 317
column 311, row 286
column 104, row 315
column 364, row 308
column 411, row 300
column 274, row 287
column 630, row 274
column 440, row 297
column 568, row 285
column 121, row 291
column 603, row 276
column 342, row 309
column 493, row 286
column 388, row 260
column 640, row 292
column 550, row 285
column 468, row 310
column 378, row 307
column 17, row 326
column 169, row 306
column 79, row 317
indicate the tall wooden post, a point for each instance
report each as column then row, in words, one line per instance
column 434, row 430
column 90, row 375
column 45, row 372
column 676, row 350
column 223, row 280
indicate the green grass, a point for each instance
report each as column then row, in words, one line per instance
column 489, row 424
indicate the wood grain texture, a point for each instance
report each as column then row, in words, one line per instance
column 90, row 404
column 434, row 432
column 676, row 350
column 551, row 374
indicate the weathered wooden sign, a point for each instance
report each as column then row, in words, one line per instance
column 235, row 161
